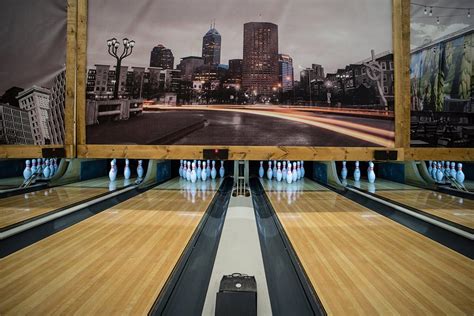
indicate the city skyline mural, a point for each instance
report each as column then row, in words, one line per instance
column 441, row 73
column 273, row 73
column 32, row 72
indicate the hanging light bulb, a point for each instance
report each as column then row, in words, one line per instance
column 437, row 20
column 431, row 11
column 468, row 13
column 425, row 11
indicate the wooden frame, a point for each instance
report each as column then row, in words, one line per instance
column 34, row 151
column 401, row 50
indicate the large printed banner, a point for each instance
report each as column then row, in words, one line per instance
column 441, row 73
column 240, row 72
column 32, row 71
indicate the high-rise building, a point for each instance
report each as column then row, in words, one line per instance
column 188, row 66
column 162, row 57
column 35, row 101
column 15, row 126
column 260, row 58
column 211, row 47
column 56, row 109
column 235, row 70
column 286, row 72
column 318, row 71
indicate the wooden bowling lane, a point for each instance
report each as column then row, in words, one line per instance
column 113, row 263
column 451, row 208
column 360, row 262
column 19, row 208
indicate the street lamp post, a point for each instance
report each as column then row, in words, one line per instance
column 342, row 79
column 113, row 46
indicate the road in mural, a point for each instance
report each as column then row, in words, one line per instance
column 240, row 72
column 441, row 73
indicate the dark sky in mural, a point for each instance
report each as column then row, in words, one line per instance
column 33, row 42
column 332, row 33
column 424, row 28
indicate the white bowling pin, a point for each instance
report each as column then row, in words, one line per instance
column 261, row 171
column 188, row 171
column 46, row 170
column 140, row 169
column 302, row 169
column 203, row 171
column 371, row 173
column 193, row 173
column 298, row 170
column 39, row 166
column 284, row 171
column 33, row 166
column 453, row 170
column 181, row 167
column 208, row 170
column 434, row 170
column 126, row 171
column 447, row 170
column 279, row 174
column 439, row 173
column 269, row 171
column 113, row 170
column 199, row 170
column 27, row 171
column 460, row 175
column 344, row 170
column 430, row 166
column 289, row 174
column 274, row 170
column 222, row 170
column 295, row 173
column 213, row 170
column 357, row 171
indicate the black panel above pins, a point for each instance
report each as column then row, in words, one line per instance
column 216, row 154
column 53, row 152
column 385, row 155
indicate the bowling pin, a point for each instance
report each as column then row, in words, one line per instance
column 140, row 169
column 447, row 170
column 188, row 171
column 284, row 171
column 203, row 171
column 344, row 170
column 430, row 166
column 199, row 170
column 222, row 170
column 39, row 167
column 295, row 173
column 453, row 170
column 460, row 175
column 46, row 170
column 193, row 173
column 208, row 170
column 357, row 171
column 269, row 171
column 274, row 170
column 27, row 171
column 261, row 171
column 181, row 167
column 289, row 174
column 439, row 172
column 371, row 174
column 113, row 170
column 279, row 174
column 213, row 170
column 298, row 170
column 183, row 175
column 127, row 172
column 434, row 171
column 302, row 169
column 33, row 166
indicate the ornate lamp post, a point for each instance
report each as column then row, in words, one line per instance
column 113, row 45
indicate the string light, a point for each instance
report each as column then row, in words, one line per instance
column 468, row 13
column 431, row 11
column 437, row 20
column 425, row 11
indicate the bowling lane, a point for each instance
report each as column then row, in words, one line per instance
column 10, row 183
column 360, row 262
column 113, row 263
column 448, row 207
column 19, row 208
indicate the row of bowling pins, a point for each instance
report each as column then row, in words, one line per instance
column 439, row 170
column 127, row 172
column 192, row 171
column 357, row 173
column 41, row 166
column 285, row 174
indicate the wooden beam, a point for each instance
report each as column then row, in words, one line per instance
column 457, row 154
column 70, row 108
column 23, row 151
column 81, row 71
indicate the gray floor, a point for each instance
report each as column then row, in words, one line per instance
column 239, row 251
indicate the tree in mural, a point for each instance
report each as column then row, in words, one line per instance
column 466, row 69
column 375, row 73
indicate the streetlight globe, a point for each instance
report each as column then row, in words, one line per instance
column 109, row 42
column 117, row 44
column 114, row 40
column 125, row 41
column 132, row 43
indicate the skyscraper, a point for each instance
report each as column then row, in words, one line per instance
column 286, row 72
column 211, row 47
column 260, row 58
column 162, row 57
